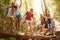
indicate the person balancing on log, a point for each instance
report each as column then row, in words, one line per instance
column 29, row 18
column 18, row 16
column 10, row 17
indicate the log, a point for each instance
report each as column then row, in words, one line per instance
column 8, row 34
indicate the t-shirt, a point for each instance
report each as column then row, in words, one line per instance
column 10, row 12
column 18, row 13
column 29, row 15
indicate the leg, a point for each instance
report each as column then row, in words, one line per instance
column 53, row 30
column 43, row 27
column 30, row 23
column 50, row 28
column 26, row 25
column 13, row 25
column 7, row 24
column 18, row 24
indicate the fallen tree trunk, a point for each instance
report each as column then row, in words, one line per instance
column 18, row 36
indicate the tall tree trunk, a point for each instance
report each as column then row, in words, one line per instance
column 46, row 8
column 26, row 5
column 45, row 11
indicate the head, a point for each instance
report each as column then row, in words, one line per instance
column 41, row 15
column 31, row 10
column 48, row 15
column 14, row 8
column 13, row 4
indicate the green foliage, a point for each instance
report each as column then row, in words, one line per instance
column 57, row 4
column 3, row 11
column 57, row 10
column 8, row 38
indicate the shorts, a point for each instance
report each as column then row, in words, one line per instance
column 49, row 26
column 28, row 21
column 19, row 15
column 10, row 16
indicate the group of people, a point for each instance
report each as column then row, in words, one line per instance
column 47, row 20
column 14, row 11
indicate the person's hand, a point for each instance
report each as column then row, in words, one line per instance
column 22, row 18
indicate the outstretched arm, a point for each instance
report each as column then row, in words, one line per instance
column 25, row 14
column 20, row 3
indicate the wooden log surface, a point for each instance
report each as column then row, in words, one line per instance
column 8, row 34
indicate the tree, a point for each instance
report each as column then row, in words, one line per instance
column 57, row 10
column 3, row 11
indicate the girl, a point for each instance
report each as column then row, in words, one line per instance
column 42, row 18
column 49, row 21
column 10, row 17
column 18, row 16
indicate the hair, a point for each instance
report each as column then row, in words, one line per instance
column 48, row 14
column 41, row 15
column 15, row 7
column 13, row 2
column 31, row 9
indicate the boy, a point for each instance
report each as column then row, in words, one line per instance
column 29, row 17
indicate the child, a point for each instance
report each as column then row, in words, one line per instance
column 18, row 19
column 29, row 17
column 49, row 21
column 42, row 18
column 10, row 17
column 18, row 16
